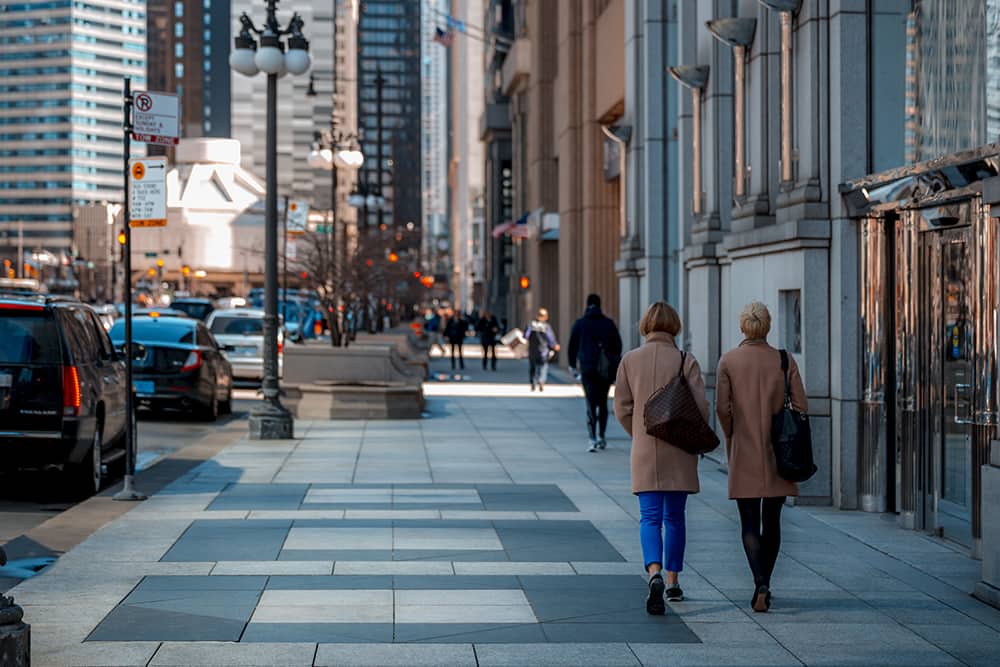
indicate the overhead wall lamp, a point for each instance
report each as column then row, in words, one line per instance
column 786, row 9
column 694, row 77
column 737, row 33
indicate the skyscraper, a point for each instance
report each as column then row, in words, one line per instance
column 435, row 140
column 61, row 69
column 189, row 43
column 389, row 41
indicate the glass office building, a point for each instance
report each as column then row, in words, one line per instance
column 389, row 38
column 62, row 63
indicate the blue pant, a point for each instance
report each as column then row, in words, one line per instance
column 662, row 511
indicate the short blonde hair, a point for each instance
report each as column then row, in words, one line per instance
column 542, row 312
column 755, row 320
column 660, row 316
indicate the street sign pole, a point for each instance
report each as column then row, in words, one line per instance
column 128, row 491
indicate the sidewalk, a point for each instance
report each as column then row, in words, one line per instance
column 483, row 534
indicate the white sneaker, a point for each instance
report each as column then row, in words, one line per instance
column 595, row 445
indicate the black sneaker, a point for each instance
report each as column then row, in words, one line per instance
column 654, row 603
column 675, row 594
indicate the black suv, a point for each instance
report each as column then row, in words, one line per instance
column 62, row 390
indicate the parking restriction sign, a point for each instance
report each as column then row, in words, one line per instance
column 155, row 117
column 147, row 192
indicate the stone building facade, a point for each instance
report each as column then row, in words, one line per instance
column 832, row 159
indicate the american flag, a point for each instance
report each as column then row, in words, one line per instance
column 444, row 37
column 520, row 228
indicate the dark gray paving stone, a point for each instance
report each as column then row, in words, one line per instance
column 582, row 633
column 466, row 633
column 555, row 541
column 259, row 497
column 329, row 583
column 589, row 582
column 132, row 623
column 526, row 497
column 327, row 633
column 202, row 583
column 210, row 540
column 461, row 582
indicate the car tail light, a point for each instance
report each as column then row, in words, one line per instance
column 71, row 391
column 193, row 361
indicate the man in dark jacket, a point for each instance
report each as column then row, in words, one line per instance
column 595, row 348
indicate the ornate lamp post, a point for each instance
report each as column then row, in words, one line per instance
column 271, row 420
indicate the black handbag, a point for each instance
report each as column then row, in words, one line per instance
column 671, row 414
column 791, row 437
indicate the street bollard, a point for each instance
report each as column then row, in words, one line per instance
column 15, row 635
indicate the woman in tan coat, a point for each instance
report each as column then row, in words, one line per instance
column 750, row 389
column 662, row 475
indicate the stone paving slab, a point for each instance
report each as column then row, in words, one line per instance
column 484, row 534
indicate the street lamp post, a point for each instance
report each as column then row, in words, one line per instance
column 270, row 420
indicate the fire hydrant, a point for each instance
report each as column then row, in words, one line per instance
column 15, row 634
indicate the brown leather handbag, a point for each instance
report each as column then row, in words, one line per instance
column 671, row 414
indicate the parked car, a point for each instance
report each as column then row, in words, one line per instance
column 62, row 390
column 240, row 331
column 182, row 367
column 194, row 307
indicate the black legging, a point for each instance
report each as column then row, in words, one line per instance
column 487, row 349
column 761, row 521
column 457, row 347
column 596, row 388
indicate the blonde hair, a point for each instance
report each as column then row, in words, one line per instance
column 755, row 320
column 660, row 316
column 542, row 312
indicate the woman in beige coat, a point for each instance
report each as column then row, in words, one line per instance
column 662, row 475
column 750, row 389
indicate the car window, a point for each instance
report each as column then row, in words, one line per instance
column 104, row 349
column 205, row 338
column 78, row 331
column 238, row 326
column 167, row 330
column 194, row 309
column 28, row 337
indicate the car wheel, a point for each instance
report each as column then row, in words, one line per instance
column 87, row 476
column 211, row 411
column 226, row 407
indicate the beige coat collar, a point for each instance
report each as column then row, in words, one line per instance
column 661, row 337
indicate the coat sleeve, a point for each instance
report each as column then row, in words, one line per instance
column 624, row 403
column 724, row 399
column 697, row 384
column 574, row 345
column 796, row 388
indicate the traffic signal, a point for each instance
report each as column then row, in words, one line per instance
column 159, row 263
column 524, row 282
column 186, row 270
column 393, row 257
column 416, row 274
column 121, row 237
column 151, row 272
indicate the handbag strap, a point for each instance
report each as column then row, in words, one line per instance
column 680, row 373
column 784, row 373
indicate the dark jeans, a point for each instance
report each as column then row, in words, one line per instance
column 596, row 390
column 461, row 359
column 488, row 350
column 761, row 523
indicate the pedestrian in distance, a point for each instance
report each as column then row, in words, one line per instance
column 663, row 475
column 750, row 389
column 454, row 331
column 488, row 329
column 435, row 323
column 542, row 348
column 595, row 348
